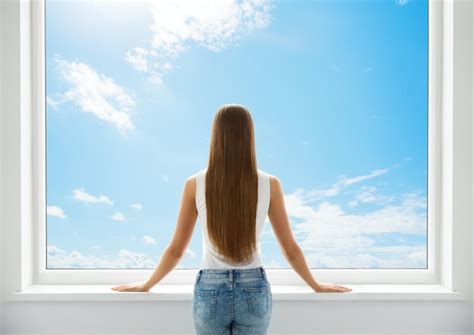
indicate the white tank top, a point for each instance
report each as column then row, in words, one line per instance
column 211, row 258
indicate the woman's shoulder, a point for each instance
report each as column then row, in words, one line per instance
column 193, row 178
column 274, row 186
column 273, row 182
column 267, row 174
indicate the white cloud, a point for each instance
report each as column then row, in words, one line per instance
column 189, row 252
column 148, row 240
column 52, row 103
column 333, row 237
column 96, row 93
column 165, row 178
column 81, row 195
column 342, row 183
column 55, row 211
column 410, row 257
column 137, row 206
column 137, row 57
column 212, row 24
column 126, row 259
column 119, row 217
column 328, row 218
column 354, row 180
column 177, row 25
column 167, row 66
column 272, row 264
column 401, row 2
column 58, row 258
column 353, row 203
column 54, row 251
column 370, row 195
column 155, row 78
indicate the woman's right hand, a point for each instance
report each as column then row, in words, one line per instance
column 327, row 287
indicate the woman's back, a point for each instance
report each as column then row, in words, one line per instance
column 211, row 258
column 232, row 198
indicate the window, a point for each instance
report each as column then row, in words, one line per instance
column 339, row 95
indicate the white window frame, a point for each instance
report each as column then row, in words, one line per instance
column 91, row 276
column 29, row 205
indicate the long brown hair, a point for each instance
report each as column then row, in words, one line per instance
column 232, row 184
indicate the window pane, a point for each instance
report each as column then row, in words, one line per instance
column 338, row 91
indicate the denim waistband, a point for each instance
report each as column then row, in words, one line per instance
column 232, row 274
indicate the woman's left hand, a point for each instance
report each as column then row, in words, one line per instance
column 135, row 287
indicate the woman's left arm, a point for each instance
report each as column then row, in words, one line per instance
column 174, row 252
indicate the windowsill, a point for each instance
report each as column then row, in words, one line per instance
column 279, row 292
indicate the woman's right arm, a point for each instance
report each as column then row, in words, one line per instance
column 289, row 247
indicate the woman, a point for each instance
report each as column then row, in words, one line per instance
column 232, row 199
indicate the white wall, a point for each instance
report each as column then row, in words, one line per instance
column 1, row 127
column 472, row 152
column 382, row 317
column 462, row 100
column 290, row 318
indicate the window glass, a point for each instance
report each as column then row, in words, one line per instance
column 338, row 91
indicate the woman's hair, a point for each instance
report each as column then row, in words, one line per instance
column 232, row 184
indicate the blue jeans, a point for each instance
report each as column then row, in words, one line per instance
column 232, row 301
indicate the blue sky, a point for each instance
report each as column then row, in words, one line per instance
column 338, row 94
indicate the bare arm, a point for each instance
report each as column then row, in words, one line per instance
column 176, row 248
column 290, row 248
